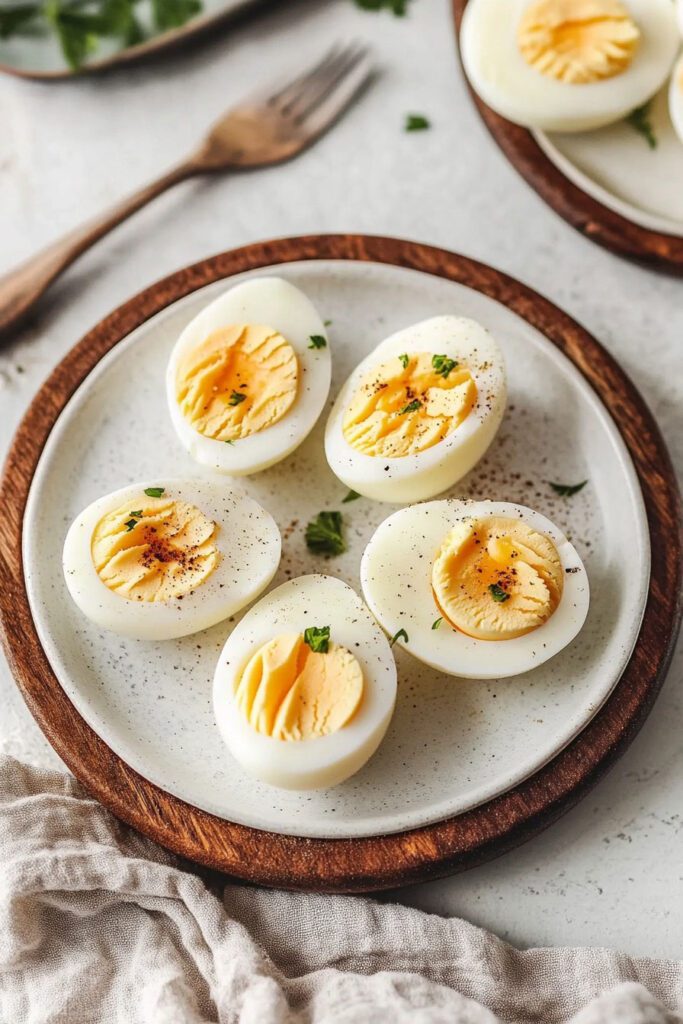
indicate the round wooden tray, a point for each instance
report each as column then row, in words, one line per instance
column 382, row 861
column 656, row 249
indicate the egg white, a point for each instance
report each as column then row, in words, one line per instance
column 679, row 11
column 500, row 75
column 396, row 572
column 326, row 760
column 248, row 541
column 676, row 95
column 275, row 303
column 429, row 472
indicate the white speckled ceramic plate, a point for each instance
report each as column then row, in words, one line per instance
column 37, row 54
column 452, row 743
column 617, row 167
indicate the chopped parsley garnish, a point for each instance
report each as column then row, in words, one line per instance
column 411, row 407
column 236, row 398
column 397, row 7
column 327, row 323
column 317, row 341
column 137, row 514
column 80, row 26
column 351, row 496
column 443, row 365
column 566, row 490
column 317, row 638
column 130, row 524
column 639, row 120
column 416, row 123
column 324, row 534
column 228, row 441
column 154, row 492
column 401, row 635
column 405, row 359
column 437, row 623
column 497, row 593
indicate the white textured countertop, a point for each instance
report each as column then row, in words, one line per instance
column 611, row 872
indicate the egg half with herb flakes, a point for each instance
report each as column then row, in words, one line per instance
column 249, row 376
column 567, row 65
column 163, row 559
column 419, row 412
column 305, row 686
column 479, row 589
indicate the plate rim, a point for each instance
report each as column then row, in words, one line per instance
column 162, row 42
column 656, row 249
column 382, row 861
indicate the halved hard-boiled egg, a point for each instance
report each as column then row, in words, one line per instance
column 477, row 589
column 568, row 65
column 676, row 96
column 419, row 411
column 164, row 558
column 305, row 686
column 249, row 376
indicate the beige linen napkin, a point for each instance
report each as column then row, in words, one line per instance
column 100, row 925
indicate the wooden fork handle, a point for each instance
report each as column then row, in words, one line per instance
column 23, row 286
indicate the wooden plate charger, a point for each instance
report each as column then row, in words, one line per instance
column 377, row 862
column 657, row 249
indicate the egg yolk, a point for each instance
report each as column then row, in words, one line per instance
column 290, row 692
column 408, row 404
column 154, row 549
column 578, row 41
column 497, row 578
column 238, row 381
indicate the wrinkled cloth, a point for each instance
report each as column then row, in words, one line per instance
column 99, row 925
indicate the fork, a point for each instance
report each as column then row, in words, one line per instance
column 273, row 125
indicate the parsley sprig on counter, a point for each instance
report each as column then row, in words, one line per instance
column 324, row 534
column 80, row 25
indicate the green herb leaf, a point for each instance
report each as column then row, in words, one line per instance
column 566, row 490
column 324, row 534
column 154, row 492
column 437, row 623
column 351, row 496
column 130, row 524
column 416, row 123
column 411, row 407
column 236, row 398
column 228, row 441
column 317, row 341
column 497, row 593
column 401, row 635
column 137, row 515
column 317, row 638
column 397, row 7
column 639, row 120
column 327, row 323
column 12, row 19
column 443, row 365
column 174, row 13
column 405, row 359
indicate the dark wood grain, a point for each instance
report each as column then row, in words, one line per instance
column 655, row 249
column 382, row 861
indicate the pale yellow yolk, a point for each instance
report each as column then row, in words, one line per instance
column 578, row 41
column 497, row 578
column 238, row 381
column 154, row 549
column 402, row 409
column 290, row 692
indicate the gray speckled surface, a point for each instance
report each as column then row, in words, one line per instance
column 609, row 872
